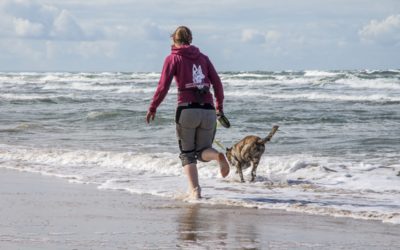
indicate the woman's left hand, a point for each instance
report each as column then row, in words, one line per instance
column 150, row 116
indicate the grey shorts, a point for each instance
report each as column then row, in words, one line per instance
column 195, row 129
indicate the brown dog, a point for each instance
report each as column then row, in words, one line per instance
column 248, row 152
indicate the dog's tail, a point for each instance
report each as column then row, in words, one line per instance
column 269, row 136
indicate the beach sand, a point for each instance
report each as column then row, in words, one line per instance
column 41, row 212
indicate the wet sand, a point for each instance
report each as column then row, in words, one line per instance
column 41, row 212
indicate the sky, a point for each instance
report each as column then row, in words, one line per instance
column 237, row 35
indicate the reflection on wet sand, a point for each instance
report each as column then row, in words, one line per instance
column 189, row 225
column 199, row 226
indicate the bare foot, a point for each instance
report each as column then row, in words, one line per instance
column 223, row 165
column 195, row 194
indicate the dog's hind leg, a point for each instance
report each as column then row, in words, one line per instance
column 254, row 170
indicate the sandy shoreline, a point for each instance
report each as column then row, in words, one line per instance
column 40, row 212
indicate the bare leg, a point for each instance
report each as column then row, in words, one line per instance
column 191, row 172
column 212, row 154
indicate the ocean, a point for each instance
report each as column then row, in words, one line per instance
column 337, row 151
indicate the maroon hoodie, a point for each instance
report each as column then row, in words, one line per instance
column 192, row 70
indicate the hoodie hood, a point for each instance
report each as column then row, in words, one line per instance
column 188, row 51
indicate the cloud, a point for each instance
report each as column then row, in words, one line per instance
column 272, row 36
column 65, row 27
column 96, row 49
column 252, row 36
column 33, row 20
column 26, row 28
column 386, row 31
column 134, row 35
column 259, row 37
column 154, row 31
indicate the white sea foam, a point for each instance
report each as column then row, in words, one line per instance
column 50, row 80
column 300, row 183
column 377, row 83
column 276, row 80
column 246, row 75
column 315, row 96
column 317, row 73
column 318, row 78
column 32, row 97
column 335, row 97
column 353, row 179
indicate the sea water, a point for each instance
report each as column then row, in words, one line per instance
column 337, row 151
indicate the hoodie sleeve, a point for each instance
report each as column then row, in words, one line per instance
column 217, row 85
column 167, row 74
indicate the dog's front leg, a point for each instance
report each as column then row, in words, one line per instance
column 239, row 170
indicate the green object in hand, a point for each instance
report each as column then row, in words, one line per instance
column 223, row 120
